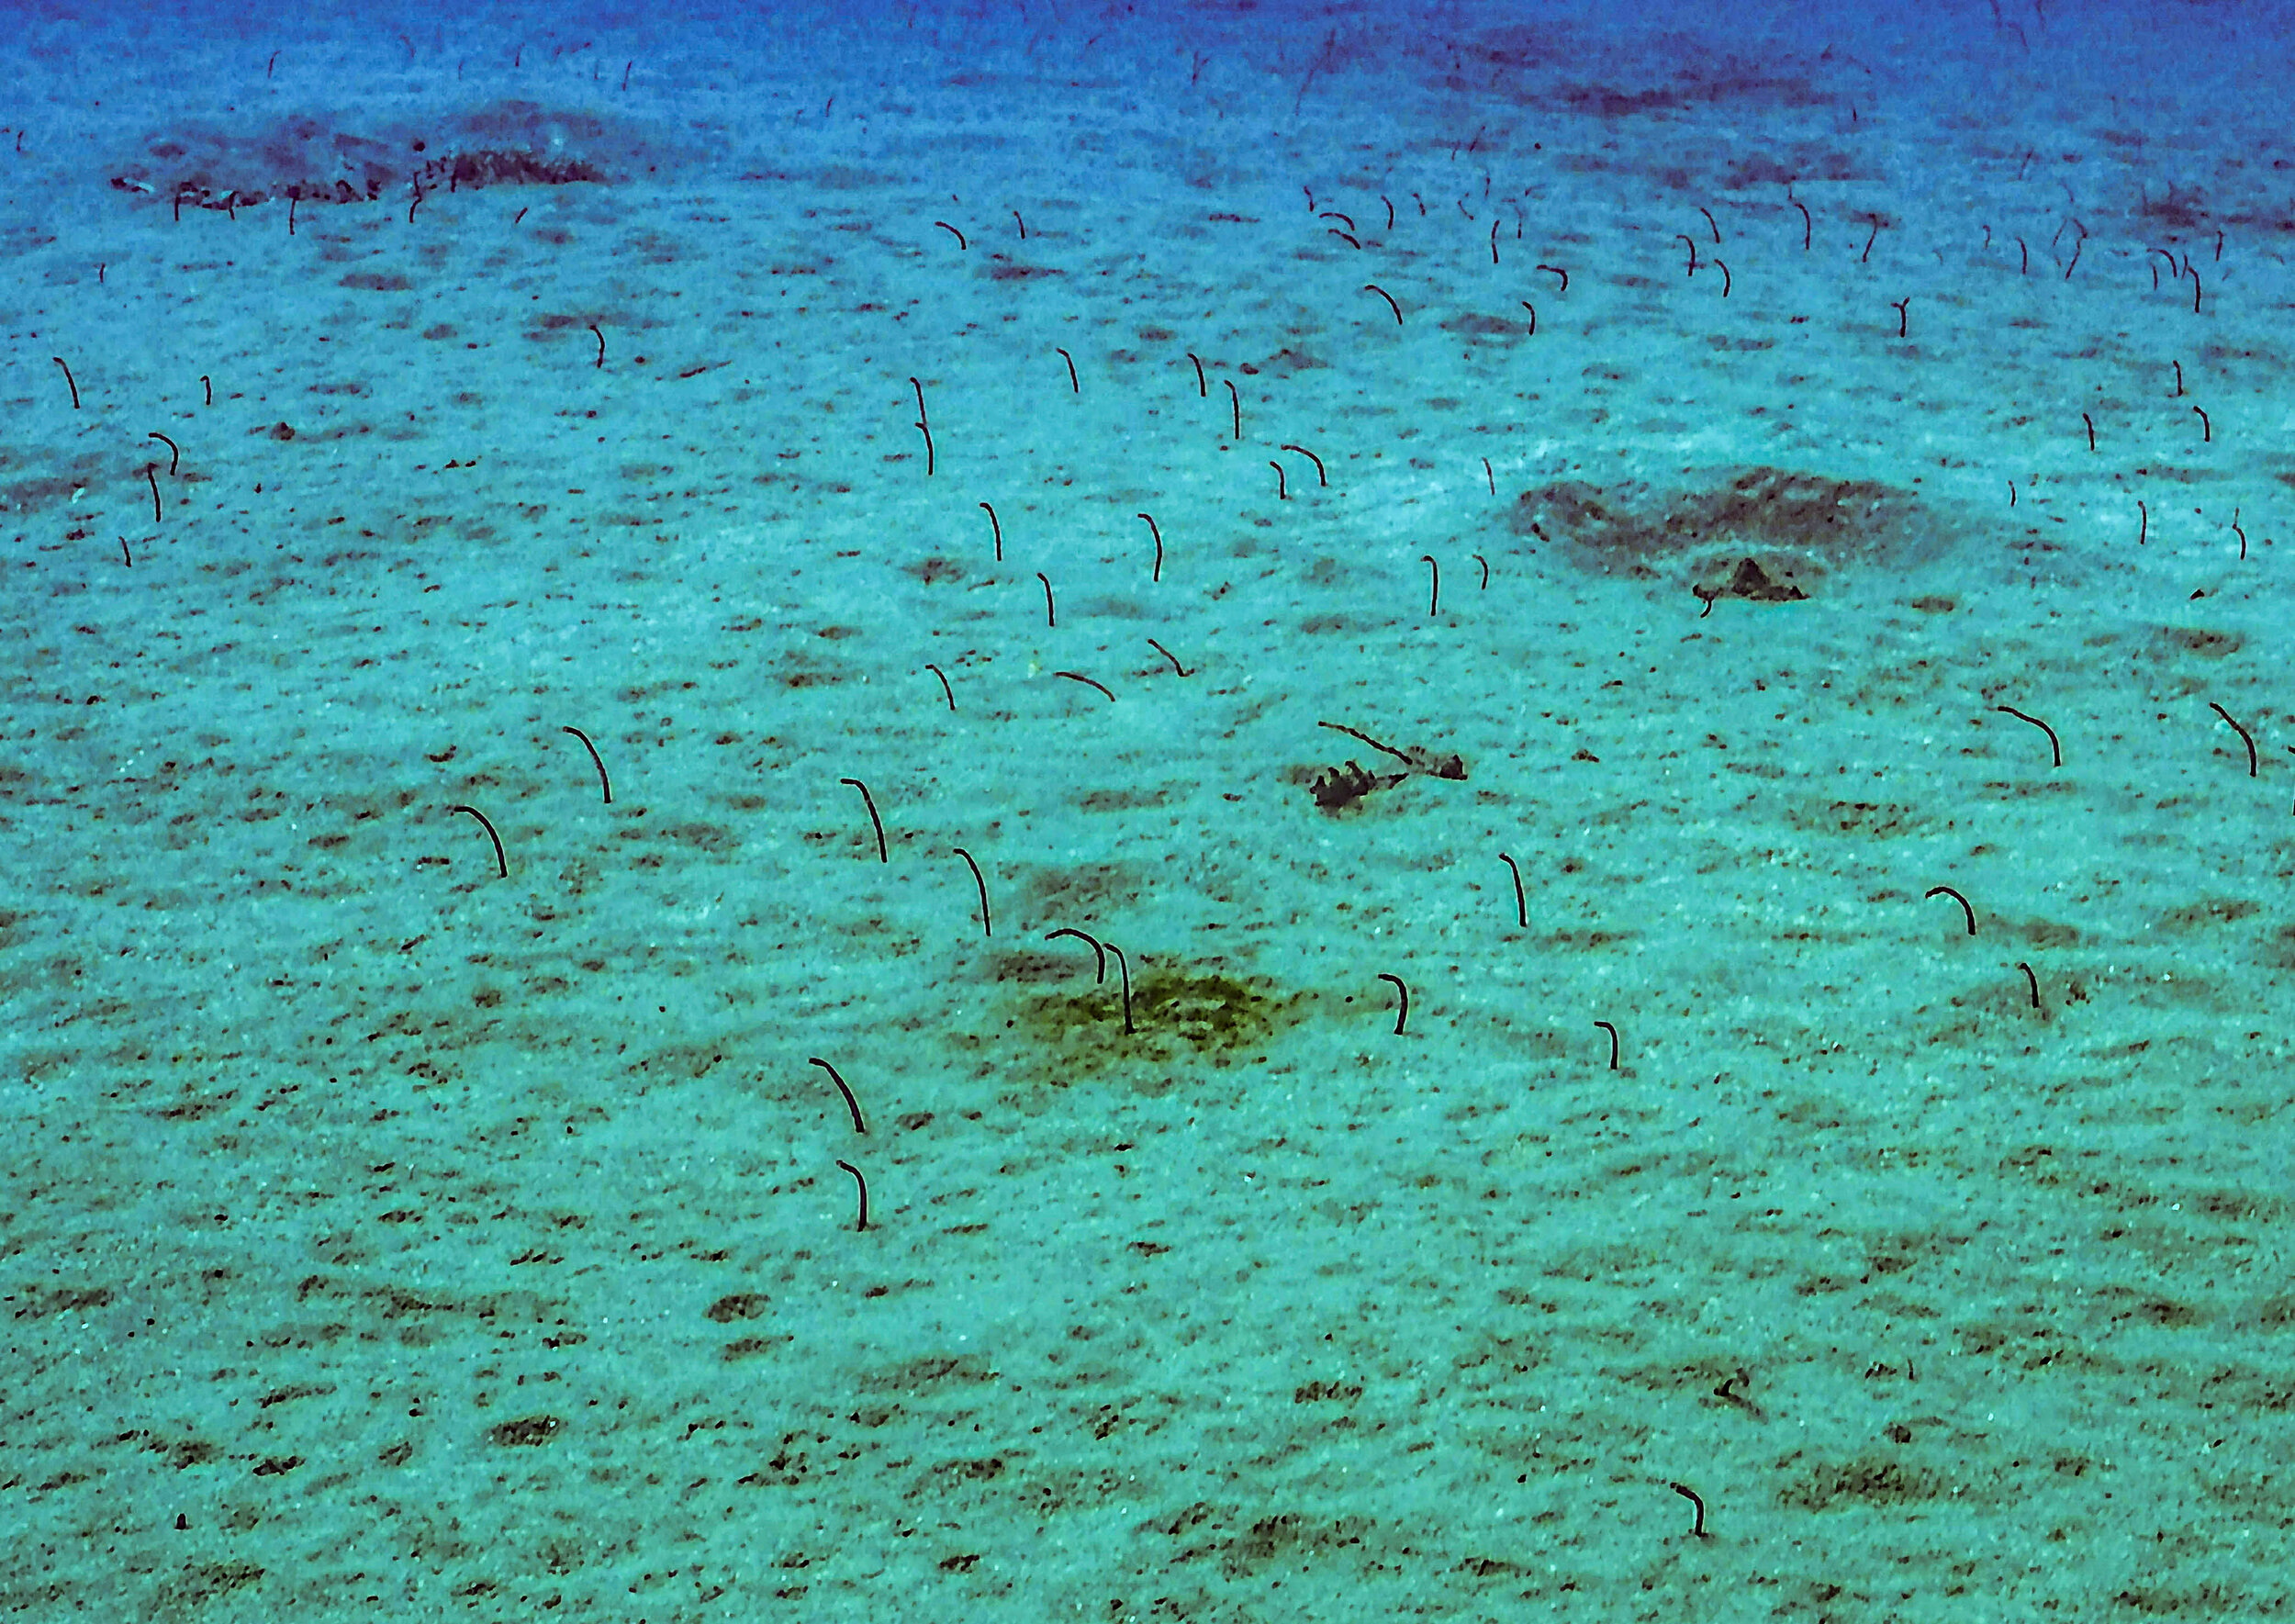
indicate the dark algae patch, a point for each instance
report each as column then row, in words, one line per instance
column 1766, row 534
column 1180, row 1011
column 1869, row 1481
column 328, row 157
column 526, row 1432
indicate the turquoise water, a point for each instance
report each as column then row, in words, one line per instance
column 393, row 1231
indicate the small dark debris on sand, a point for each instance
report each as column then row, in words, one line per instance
column 1752, row 582
column 1336, row 787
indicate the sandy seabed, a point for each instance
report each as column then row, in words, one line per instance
column 1518, row 783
